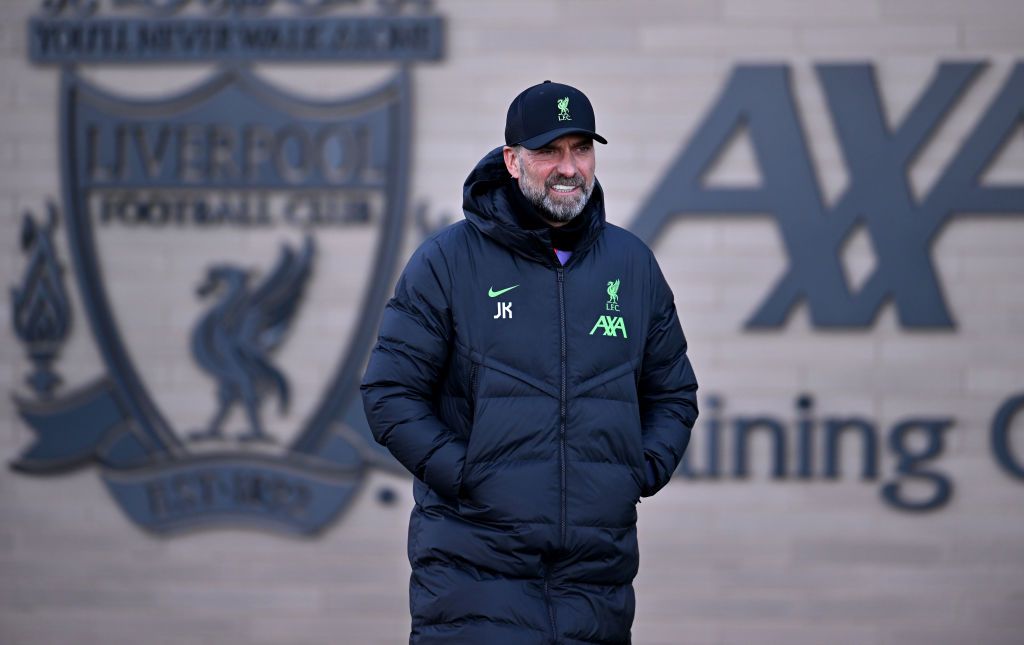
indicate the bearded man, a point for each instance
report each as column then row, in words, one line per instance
column 531, row 373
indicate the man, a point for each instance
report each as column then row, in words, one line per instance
column 531, row 373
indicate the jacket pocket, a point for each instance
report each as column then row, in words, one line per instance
column 474, row 377
column 639, row 466
column 472, row 410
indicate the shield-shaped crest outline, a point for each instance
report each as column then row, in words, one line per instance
column 153, row 431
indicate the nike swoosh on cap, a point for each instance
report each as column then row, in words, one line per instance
column 494, row 294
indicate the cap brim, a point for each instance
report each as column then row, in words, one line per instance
column 543, row 139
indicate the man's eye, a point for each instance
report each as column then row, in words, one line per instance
column 584, row 148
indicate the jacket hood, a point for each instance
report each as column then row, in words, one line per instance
column 486, row 203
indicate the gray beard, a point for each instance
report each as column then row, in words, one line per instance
column 561, row 211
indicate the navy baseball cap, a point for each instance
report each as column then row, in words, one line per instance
column 544, row 112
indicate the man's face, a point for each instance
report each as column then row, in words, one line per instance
column 557, row 178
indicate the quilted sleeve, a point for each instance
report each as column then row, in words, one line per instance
column 667, row 389
column 403, row 373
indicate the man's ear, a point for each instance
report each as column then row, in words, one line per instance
column 510, row 161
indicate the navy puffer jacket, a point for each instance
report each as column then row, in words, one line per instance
column 535, row 404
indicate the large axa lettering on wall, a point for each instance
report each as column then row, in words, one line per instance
column 878, row 195
column 902, row 229
column 209, row 228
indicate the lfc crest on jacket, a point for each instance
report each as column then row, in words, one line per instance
column 231, row 244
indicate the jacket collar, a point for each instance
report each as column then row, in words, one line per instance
column 489, row 207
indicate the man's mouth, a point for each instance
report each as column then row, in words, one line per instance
column 563, row 188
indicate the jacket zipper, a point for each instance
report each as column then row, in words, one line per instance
column 551, row 607
column 560, row 274
column 562, row 405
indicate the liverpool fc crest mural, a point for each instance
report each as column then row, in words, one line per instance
column 207, row 229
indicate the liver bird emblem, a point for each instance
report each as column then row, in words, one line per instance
column 233, row 340
column 563, row 109
column 613, row 292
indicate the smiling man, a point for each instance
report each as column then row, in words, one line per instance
column 531, row 373
column 557, row 178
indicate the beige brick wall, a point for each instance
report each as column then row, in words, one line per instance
column 726, row 562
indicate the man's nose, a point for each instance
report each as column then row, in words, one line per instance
column 567, row 165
